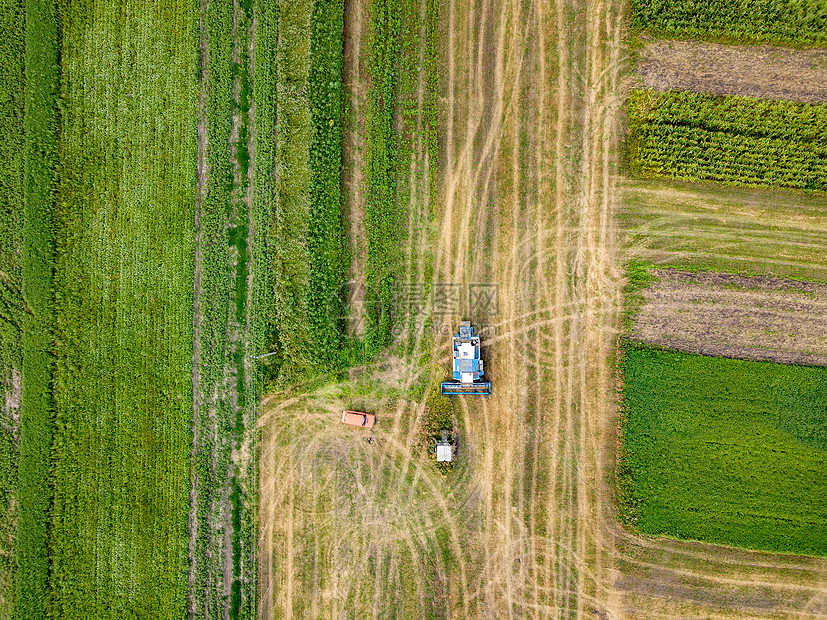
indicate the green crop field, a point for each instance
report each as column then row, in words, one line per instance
column 735, row 140
column 305, row 233
column 383, row 213
column 36, row 294
column 124, row 304
column 291, row 208
column 796, row 22
column 127, row 449
column 325, row 240
column 726, row 451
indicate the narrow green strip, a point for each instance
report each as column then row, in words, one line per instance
column 325, row 242
column 383, row 215
column 734, row 140
column 41, row 88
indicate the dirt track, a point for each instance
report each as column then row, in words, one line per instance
column 524, row 527
column 356, row 79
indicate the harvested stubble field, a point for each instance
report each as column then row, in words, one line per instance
column 518, row 195
column 731, row 230
column 521, row 193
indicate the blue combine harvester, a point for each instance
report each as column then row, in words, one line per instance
column 467, row 363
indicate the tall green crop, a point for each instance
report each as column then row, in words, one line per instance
column 797, row 22
column 124, row 215
column 41, row 88
column 12, row 305
column 383, row 217
column 737, row 140
column 325, row 242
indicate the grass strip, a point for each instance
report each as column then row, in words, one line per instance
column 213, row 415
column 291, row 208
column 12, row 306
column 714, row 227
column 36, row 430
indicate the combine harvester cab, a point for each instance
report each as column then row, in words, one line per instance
column 467, row 364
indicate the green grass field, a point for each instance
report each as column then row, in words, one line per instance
column 726, row 451
column 124, row 303
column 97, row 458
column 305, row 233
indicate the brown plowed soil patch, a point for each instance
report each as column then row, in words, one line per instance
column 750, row 70
column 757, row 318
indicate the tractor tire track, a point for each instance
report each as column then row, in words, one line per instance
column 525, row 525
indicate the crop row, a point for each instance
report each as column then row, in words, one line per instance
column 224, row 400
column 726, row 451
column 263, row 180
column 124, row 298
column 40, row 91
column 264, row 88
column 802, row 22
column 417, row 96
column 383, row 215
column 243, row 486
column 325, row 240
column 305, row 235
column 735, row 140
column 759, row 118
column 291, row 204
column 213, row 412
column 12, row 316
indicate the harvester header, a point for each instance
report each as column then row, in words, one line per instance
column 467, row 364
